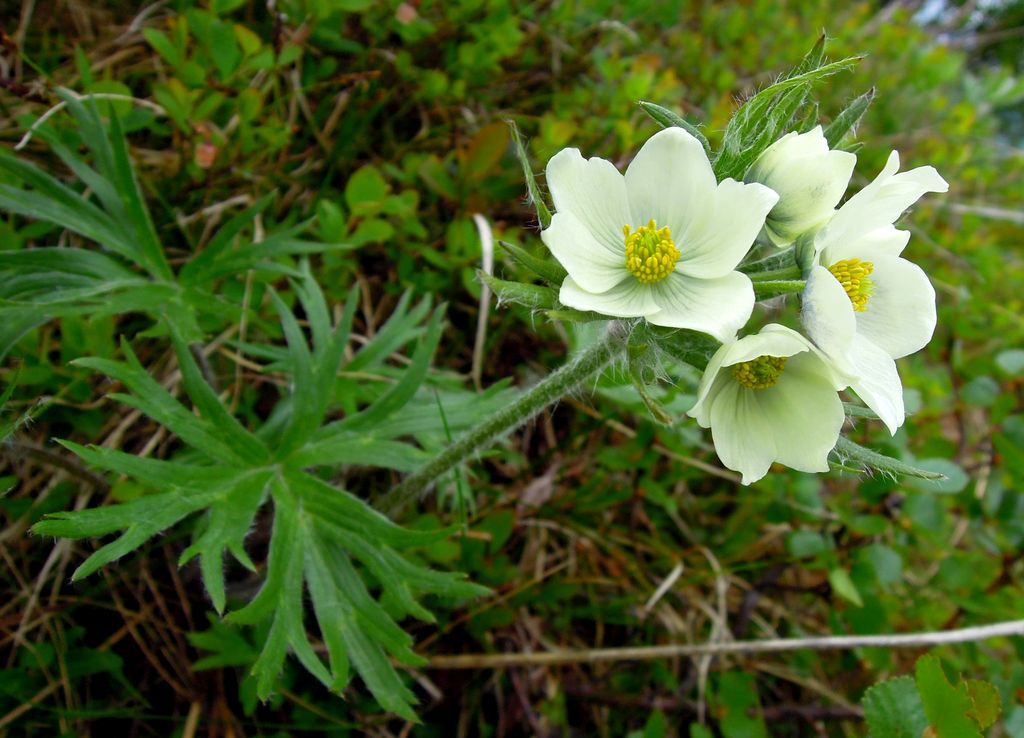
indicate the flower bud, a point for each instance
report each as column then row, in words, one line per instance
column 809, row 178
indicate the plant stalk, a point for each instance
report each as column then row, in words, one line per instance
column 1013, row 628
column 774, row 288
column 773, row 275
column 548, row 391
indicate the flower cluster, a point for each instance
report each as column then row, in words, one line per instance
column 663, row 243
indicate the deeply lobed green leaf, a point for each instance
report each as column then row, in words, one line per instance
column 324, row 540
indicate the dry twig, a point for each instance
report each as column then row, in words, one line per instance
column 691, row 650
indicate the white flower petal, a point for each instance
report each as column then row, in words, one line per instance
column 900, row 314
column 881, row 202
column 878, row 382
column 772, row 340
column 884, row 241
column 670, row 180
column 743, row 433
column 828, row 317
column 628, row 299
column 790, row 146
column 594, row 191
column 592, row 265
column 711, row 384
column 715, row 242
column 809, row 178
column 718, row 307
column 795, row 422
column 806, row 413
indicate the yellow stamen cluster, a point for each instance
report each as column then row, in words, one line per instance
column 651, row 254
column 760, row 373
column 853, row 276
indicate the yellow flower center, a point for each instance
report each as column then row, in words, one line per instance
column 651, row 254
column 853, row 276
column 760, row 373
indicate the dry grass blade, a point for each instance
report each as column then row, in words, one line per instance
column 646, row 653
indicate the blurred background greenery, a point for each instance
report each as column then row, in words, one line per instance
column 380, row 125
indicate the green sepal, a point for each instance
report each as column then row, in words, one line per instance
column 846, row 450
column 533, row 191
column 547, row 269
column 778, row 260
column 848, row 118
column 859, row 411
column 763, row 118
column 667, row 119
column 689, row 347
column 813, row 58
column 809, row 117
column 570, row 315
column 533, row 296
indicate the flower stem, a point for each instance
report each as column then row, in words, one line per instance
column 776, row 287
column 772, row 275
column 549, row 390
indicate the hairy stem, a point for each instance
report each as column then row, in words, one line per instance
column 791, row 271
column 775, row 287
column 549, row 390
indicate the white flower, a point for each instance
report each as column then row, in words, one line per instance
column 864, row 306
column 809, row 178
column 661, row 242
column 770, row 397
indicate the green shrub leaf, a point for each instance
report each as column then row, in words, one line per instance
column 947, row 707
column 893, row 709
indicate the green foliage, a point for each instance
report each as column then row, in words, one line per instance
column 767, row 115
column 736, row 699
column 655, row 727
column 7, row 428
column 319, row 530
column 131, row 273
column 40, row 284
column 930, row 705
column 581, row 517
column 947, row 707
column 77, row 661
column 893, row 709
